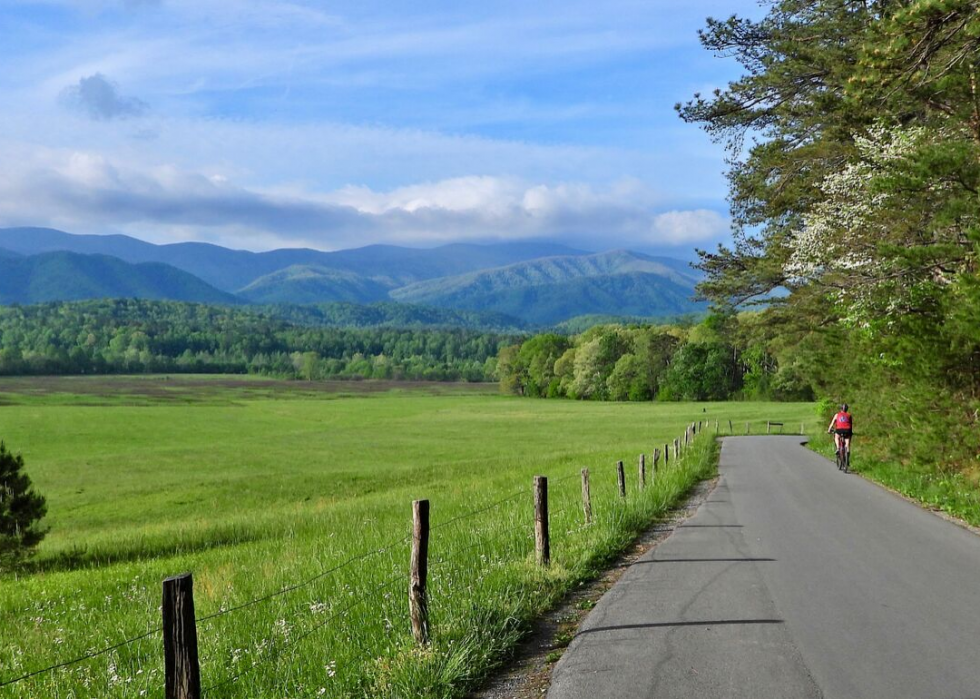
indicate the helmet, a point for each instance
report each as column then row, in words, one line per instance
column 844, row 407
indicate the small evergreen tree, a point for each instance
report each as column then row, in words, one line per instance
column 21, row 510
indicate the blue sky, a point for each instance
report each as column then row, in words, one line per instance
column 259, row 124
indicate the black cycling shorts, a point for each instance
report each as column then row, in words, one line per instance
column 846, row 434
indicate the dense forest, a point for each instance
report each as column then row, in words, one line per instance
column 133, row 336
column 726, row 356
column 854, row 138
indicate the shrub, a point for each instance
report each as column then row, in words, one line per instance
column 21, row 510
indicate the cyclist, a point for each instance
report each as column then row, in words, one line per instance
column 842, row 425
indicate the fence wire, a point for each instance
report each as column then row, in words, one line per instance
column 305, row 583
column 304, row 635
column 82, row 658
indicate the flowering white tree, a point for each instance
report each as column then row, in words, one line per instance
column 877, row 239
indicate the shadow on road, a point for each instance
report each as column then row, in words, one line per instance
column 674, row 624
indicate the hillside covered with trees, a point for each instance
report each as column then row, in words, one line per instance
column 854, row 134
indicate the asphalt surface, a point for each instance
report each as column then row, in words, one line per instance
column 792, row 580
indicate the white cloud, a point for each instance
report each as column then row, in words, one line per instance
column 689, row 226
column 86, row 192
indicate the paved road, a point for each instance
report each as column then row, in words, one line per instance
column 792, row 580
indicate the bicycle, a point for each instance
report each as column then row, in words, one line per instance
column 843, row 455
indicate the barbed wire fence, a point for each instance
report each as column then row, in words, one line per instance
column 179, row 627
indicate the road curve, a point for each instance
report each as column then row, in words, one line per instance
column 791, row 580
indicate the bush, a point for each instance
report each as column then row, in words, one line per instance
column 21, row 510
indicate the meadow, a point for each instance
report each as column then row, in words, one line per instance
column 299, row 496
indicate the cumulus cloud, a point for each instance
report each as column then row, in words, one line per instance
column 100, row 99
column 687, row 226
column 84, row 192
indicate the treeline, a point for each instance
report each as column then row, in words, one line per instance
column 724, row 357
column 135, row 336
column 342, row 314
column 858, row 191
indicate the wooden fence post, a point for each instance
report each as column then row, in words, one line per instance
column 716, row 427
column 542, row 540
column 586, row 496
column 643, row 471
column 746, row 428
column 653, row 466
column 801, row 428
column 621, row 479
column 182, row 671
column 768, row 426
column 418, row 597
column 666, row 453
column 677, row 448
column 731, row 430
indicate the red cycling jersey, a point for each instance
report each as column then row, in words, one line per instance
column 842, row 421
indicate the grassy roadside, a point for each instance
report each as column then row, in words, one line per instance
column 455, row 666
column 952, row 493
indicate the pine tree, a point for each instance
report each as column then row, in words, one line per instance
column 21, row 509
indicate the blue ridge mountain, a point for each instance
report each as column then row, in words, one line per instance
column 537, row 284
column 551, row 290
column 233, row 270
column 313, row 284
column 68, row 276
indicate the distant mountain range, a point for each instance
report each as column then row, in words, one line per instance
column 536, row 283
column 553, row 289
column 68, row 276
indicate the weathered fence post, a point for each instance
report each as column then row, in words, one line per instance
column 731, row 430
column 768, row 426
column 418, row 596
column 586, row 497
column 621, row 479
column 182, row 671
column 746, row 428
column 801, row 428
column 666, row 453
column 716, row 427
column 542, row 540
column 643, row 471
column 677, row 448
column 653, row 466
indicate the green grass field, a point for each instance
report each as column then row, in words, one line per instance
column 257, row 486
